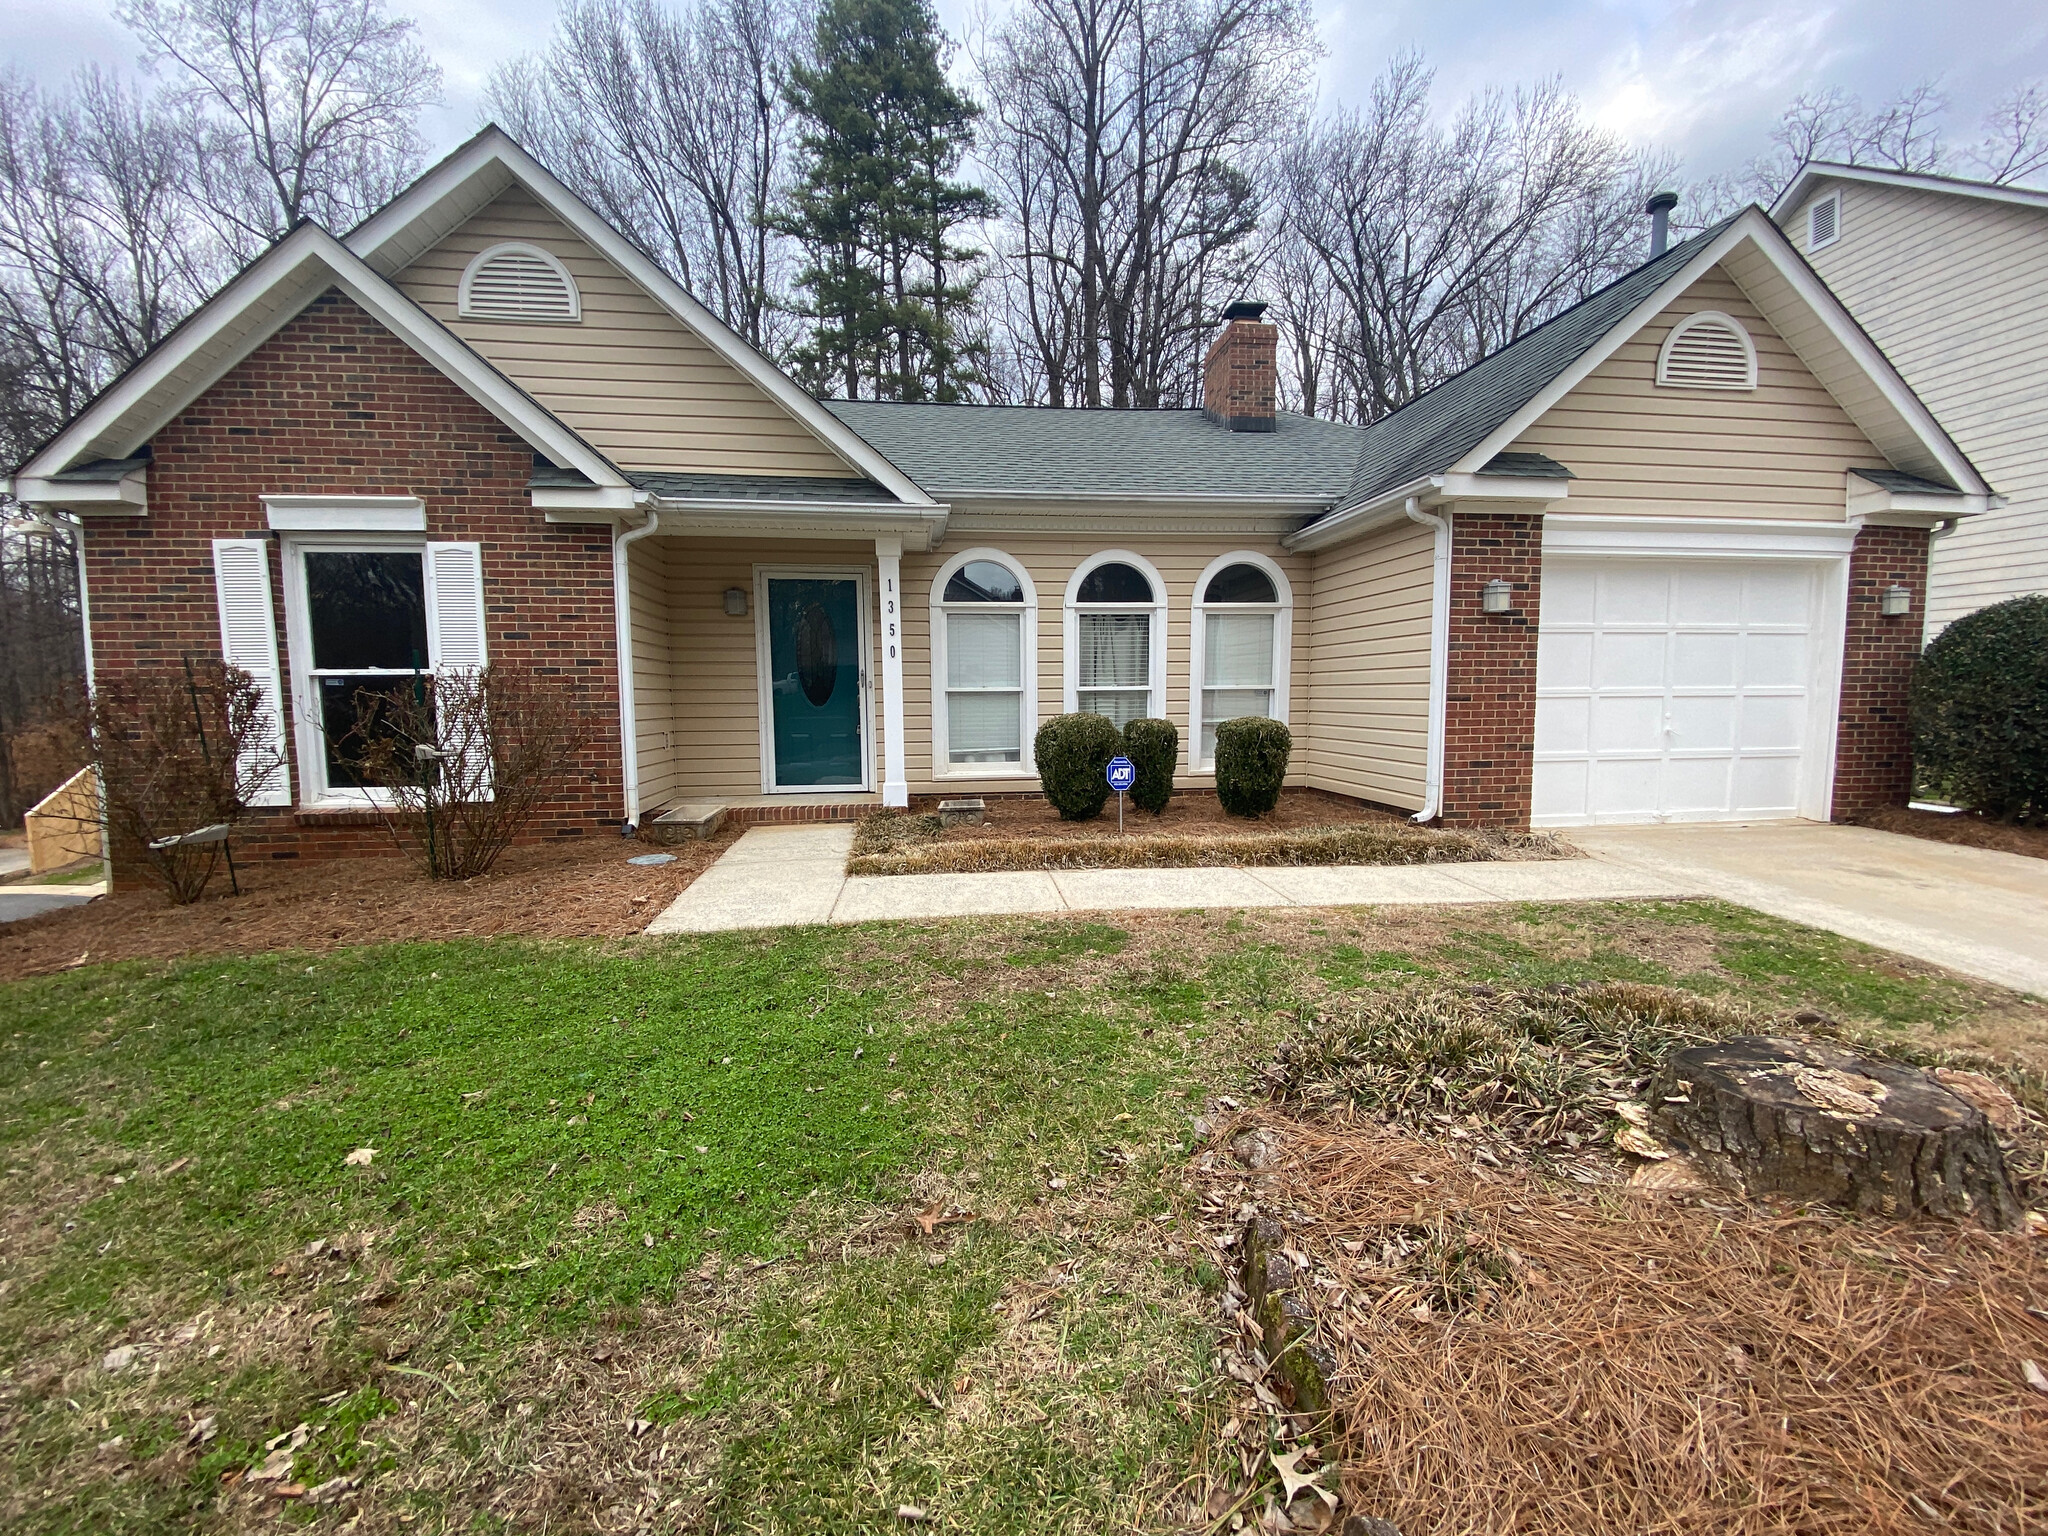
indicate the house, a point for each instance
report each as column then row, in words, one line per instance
column 1664, row 557
column 1950, row 278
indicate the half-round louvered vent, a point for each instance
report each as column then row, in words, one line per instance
column 1709, row 351
column 519, row 282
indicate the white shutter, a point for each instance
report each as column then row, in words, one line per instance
column 455, row 606
column 248, row 639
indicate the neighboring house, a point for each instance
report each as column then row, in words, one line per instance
column 1950, row 278
column 1663, row 558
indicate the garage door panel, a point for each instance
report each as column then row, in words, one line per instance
column 1629, row 659
column 1682, row 692
column 1705, row 660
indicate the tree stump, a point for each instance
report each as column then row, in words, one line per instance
column 1817, row 1122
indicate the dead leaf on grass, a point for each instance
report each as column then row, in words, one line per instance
column 360, row 1158
column 2036, row 1377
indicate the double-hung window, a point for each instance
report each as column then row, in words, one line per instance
column 1116, row 642
column 984, row 652
column 1242, row 622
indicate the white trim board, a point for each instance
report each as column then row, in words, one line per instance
column 345, row 514
column 1661, row 538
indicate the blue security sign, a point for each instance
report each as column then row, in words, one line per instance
column 1122, row 774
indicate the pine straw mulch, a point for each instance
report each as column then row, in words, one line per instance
column 1307, row 828
column 1964, row 827
column 1518, row 1354
column 579, row 889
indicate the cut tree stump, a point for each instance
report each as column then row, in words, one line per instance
column 1818, row 1122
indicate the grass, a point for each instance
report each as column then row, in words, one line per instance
column 85, row 874
column 669, row 1185
column 896, row 843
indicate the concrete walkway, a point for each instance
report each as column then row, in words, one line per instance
column 1971, row 909
column 777, row 876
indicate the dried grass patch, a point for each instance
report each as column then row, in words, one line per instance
column 892, row 843
column 1512, row 1354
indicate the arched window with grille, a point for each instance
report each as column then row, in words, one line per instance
column 1116, row 638
column 1242, row 634
column 984, row 666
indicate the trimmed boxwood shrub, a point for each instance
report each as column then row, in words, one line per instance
column 1251, row 760
column 1153, row 746
column 1073, row 754
column 1980, row 711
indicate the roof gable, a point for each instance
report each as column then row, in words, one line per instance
column 1812, row 175
column 476, row 175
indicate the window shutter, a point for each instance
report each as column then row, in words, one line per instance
column 248, row 639
column 455, row 606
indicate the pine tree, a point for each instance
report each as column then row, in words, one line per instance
column 886, row 283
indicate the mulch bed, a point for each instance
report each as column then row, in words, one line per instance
column 1186, row 812
column 584, row 889
column 1963, row 827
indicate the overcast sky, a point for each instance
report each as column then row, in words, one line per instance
column 1704, row 78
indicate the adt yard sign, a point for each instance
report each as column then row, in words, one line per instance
column 1122, row 774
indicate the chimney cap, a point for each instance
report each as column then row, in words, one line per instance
column 1245, row 309
column 1661, row 202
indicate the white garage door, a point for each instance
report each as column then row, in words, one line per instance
column 1673, row 690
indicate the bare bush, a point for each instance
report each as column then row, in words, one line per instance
column 465, row 759
column 180, row 752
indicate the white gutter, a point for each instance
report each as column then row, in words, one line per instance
column 622, row 609
column 1439, row 657
column 1361, row 519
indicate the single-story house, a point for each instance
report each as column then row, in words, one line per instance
column 1663, row 558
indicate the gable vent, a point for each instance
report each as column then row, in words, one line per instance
column 518, row 282
column 1708, row 351
column 1824, row 221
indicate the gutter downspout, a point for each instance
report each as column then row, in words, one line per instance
column 1439, row 657
column 622, row 606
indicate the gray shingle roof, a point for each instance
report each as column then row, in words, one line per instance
column 757, row 487
column 957, row 450
column 1435, row 430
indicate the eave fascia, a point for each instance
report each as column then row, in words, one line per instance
column 126, row 497
column 1366, row 517
column 921, row 528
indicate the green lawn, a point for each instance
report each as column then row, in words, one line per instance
column 632, row 1243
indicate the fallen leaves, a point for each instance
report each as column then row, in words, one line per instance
column 2035, row 1376
column 360, row 1158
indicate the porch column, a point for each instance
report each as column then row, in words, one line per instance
column 895, row 783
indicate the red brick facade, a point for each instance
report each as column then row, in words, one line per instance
column 1241, row 377
column 1490, row 691
column 1873, row 740
column 335, row 403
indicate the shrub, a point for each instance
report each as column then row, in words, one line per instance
column 1980, row 710
column 1153, row 746
column 468, row 758
column 1251, row 760
column 1073, row 753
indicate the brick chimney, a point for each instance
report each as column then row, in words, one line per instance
column 1239, row 381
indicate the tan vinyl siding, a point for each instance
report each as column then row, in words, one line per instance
column 1778, row 451
column 1955, row 289
column 632, row 379
column 1368, row 728
column 648, row 567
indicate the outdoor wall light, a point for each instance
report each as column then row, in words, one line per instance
column 1497, row 597
column 1896, row 600
column 736, row 602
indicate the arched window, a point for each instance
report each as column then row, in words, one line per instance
column 1116, row 638
column 514, row 281
column 984, row 666
column 1242, row 635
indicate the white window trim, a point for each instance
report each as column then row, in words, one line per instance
column 346, row 514
column 520, row 248
column 1691, row 322
column 1198, row 643
column 942, row 765
column 1834, row 197
column 764, row 676
column 1155, row 706
column 308, row 733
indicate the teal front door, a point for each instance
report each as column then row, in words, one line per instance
column 814, row 669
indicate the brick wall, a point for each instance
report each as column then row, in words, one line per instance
column 1240, row 377
column 1490, row 692
column 336, row 403
column 1873, row 744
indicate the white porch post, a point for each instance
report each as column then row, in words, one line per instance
column 895, row 782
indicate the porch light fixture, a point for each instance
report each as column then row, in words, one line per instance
column 1498, row 597
column 736, row 602
column 1896, row 600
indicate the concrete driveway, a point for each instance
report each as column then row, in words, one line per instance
column 1975, row 911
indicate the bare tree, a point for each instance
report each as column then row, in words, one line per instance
column 1128, row 141
column 2015, row 142
column 675, row 126
column 1442, row 243
column 299, row 109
